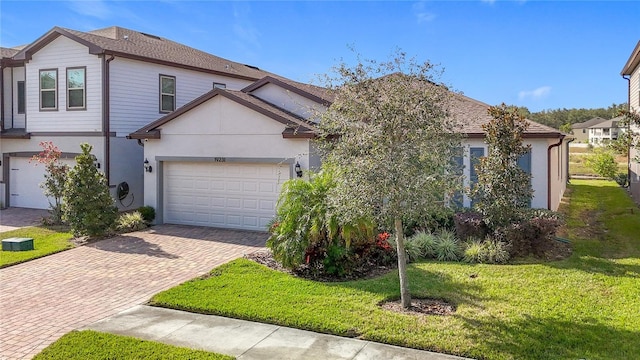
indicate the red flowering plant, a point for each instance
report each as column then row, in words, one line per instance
column 54, row 178
column 382, row 243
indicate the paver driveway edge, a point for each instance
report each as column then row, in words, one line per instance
column 53, row 295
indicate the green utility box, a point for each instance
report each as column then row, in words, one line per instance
column 17, row 244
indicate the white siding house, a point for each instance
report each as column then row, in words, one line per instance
column 631, row 72
column 98, row 87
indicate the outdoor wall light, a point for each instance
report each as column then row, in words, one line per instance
column 298, row 169
column 147, row 167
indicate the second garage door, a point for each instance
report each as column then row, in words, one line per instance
column 237, row 196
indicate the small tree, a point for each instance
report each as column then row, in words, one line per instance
column 603, row 163
column 392, row 143
column 87, row 205
column 54, row 178
column 502, row 187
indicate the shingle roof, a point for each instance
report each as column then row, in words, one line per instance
column 8, row 52
column 633, row 62
column 586, row 124
column 316, row 93
column 611, row 123
column 134, row 44
column 473, row 114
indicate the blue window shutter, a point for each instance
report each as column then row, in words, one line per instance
column 525, row 164
column 475, row 154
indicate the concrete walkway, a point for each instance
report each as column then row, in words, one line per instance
column 46, row 298
column 248, row 340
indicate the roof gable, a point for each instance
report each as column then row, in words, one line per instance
column 311, row 92
column 295, row 126
column 633, row 62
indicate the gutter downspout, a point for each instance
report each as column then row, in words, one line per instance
column 628, row 128
column 566, row 167
column 105, row 116
column 549, row 169
column 3, row 95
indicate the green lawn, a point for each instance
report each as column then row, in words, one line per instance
column 92, row 345
column 46, row 241
column 583, row 307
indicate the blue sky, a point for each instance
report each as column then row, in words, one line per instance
column 538, row 54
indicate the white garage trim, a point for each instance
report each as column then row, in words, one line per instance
column 213, row 191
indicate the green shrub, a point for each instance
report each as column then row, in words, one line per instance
column 428, row 222
column 447, row 247
column 621, row 179
column 427, row 244
column 305, row 228
column 488, row 251
column 470, row 224
column 87, row 205
column 531, row 235
column 148, row 213
column 473, row 252
column 603, row 163
column 130, row 221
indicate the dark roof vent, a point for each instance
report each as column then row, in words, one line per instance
column 252, row 67
column 151, row 36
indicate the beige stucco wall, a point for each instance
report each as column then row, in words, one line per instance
column 220, row 128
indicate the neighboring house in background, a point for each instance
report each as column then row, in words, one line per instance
column 605, row 131
column 580, row 131
column 97, row 87
column 220, row 160
column 631, row 72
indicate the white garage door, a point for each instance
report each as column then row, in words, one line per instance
column 237, row 196
column 24, row 183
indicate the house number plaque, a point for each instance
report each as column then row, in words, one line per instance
column 220, row 159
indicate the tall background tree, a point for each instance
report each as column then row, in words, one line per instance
column 87, row 205
column 502, row 187
column 392, row 143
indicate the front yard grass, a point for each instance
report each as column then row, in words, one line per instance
column 46, row 241
column 93, row 345
column 582, row 307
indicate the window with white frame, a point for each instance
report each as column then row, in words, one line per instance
column 48, row 89
column 76, row 88
column 167, row 93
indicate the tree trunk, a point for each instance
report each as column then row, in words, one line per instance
column 402, row 265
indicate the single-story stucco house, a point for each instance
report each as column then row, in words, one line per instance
column 220, row 160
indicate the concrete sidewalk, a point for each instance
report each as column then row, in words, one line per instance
column 247, row 340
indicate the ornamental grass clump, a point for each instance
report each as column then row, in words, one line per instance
column 131, row 221
column 447, row 247
column 427, row 243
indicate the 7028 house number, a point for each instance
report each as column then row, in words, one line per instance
column 220, row 159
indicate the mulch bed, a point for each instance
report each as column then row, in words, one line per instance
column 364, row 271
column 421, row 307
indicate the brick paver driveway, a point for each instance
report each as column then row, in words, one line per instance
column 43, row 299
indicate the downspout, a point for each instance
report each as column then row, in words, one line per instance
column 3, row 95
column 566, row 165
column 105, row 115
column 628, row 128
column 549, row 169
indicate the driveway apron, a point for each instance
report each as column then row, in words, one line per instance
column 45, row 298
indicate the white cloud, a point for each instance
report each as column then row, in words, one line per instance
column 93, row 8
column 421, row 13
column 535, row 94
column 243, row 28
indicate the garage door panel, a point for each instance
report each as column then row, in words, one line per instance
column 25, row 178
column 241, row 196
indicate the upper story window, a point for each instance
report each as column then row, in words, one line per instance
column 48, row 89
column 219, row 85
column 21, row 97
column 76, row 86
column 167, row 93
